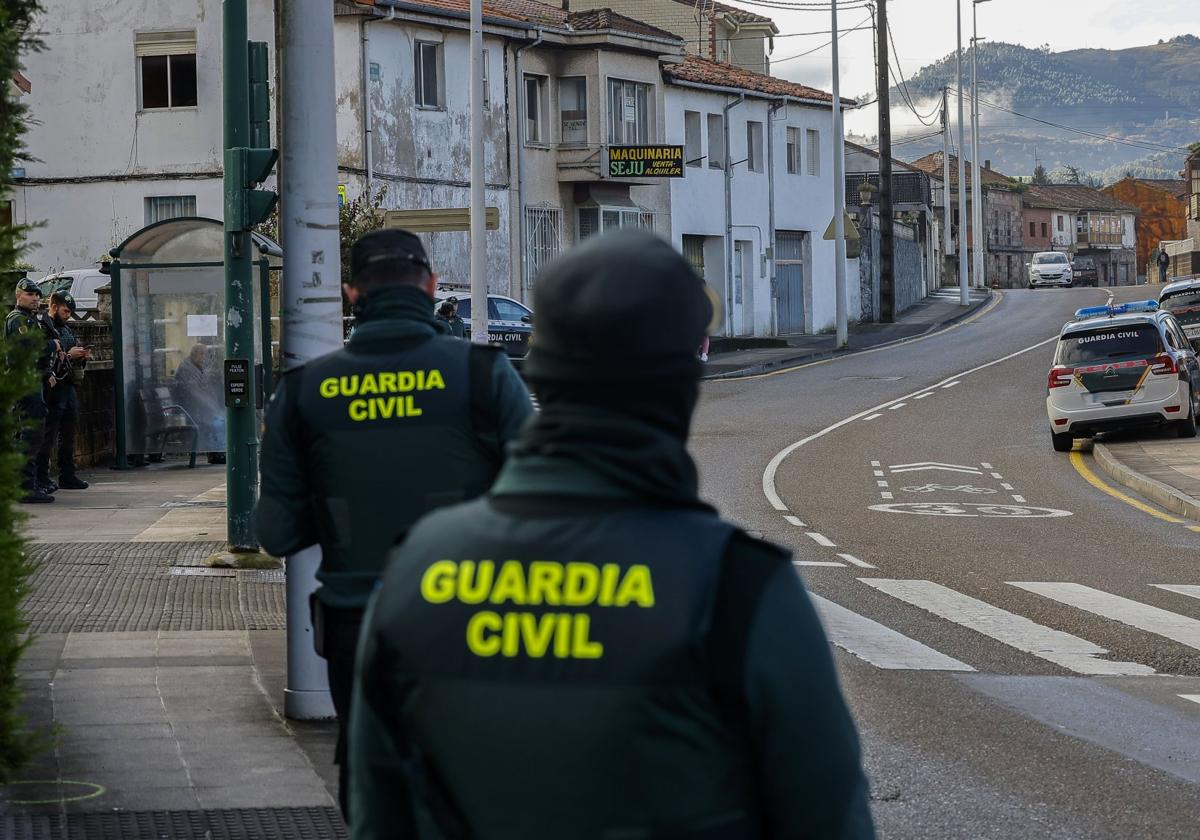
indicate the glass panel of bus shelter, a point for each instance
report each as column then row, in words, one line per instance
column 173, row 337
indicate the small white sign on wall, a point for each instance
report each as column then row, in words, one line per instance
column 201, row 326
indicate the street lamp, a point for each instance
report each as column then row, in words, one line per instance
column 963, row 289
column 976, row 187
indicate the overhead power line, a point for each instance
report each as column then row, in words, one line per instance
column 1124, row 141
column 841, row 34
column 929, row 119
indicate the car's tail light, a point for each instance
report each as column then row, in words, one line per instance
column 1171, row 409
column 1060, row 376
column 1164, row 363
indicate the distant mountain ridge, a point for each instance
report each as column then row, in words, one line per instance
column 1149, row 94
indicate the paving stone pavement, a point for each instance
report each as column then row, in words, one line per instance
column 164, row 680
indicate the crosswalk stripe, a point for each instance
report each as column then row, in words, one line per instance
column 1070, row 652
column 1161, row 622
column 882, row 646
column 1190, row 590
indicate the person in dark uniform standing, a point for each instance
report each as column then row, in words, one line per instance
column 448, row 312
column 24, row 320
column 589, row 651
column 62, row 402
column 362, row 442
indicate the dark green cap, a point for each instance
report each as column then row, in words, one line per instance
column 27, row 285
column 64, row 299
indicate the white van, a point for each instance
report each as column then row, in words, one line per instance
column 80, row 283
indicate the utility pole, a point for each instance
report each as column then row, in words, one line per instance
column 479, row 288
column 887, row 284
column 311, row 297
column 976, row 182
column 842, row 302
column 245, row 167
column 963, row 286
column 947, row 239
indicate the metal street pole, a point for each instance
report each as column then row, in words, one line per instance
column 963, row 287
column 311, row 297
column 842, row 300
column 241, row 436
column 479, row 286
column 947, row 239
column 887, row 285
column 976, row 181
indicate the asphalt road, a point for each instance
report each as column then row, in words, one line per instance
column 1003, row 635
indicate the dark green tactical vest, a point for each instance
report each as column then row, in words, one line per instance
column 550, row 674
column 389, row 438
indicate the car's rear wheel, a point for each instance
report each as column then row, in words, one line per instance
column 1063, row 441
column 1186, row 428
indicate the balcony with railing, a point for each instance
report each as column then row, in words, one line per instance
column 1099, row 230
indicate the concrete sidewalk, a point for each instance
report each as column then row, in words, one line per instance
column 164, row 677
column 1161, row 467
column 934, row 312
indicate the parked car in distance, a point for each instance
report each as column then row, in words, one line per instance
column 1050, row 268
column 80, row 283
column 1084, row 271
column 1182, row 300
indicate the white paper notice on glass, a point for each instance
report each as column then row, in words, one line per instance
column 201, row 326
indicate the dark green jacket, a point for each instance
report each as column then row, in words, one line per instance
column 701, row 703
column 23, row 322
column 362, row 442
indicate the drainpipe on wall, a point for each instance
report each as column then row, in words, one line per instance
column 775, row 106
column 368, row 119
column 520, row 83
column 729, row 296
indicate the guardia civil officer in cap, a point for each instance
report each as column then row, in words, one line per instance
column 62, row 403
column 362, row 442
column 25, row 323
column 589, row 651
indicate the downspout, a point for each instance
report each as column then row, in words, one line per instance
column 729, row 296
column 368, row 118
column 520, row 85
column 775, row 106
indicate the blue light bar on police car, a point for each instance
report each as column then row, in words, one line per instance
column 1109, row 311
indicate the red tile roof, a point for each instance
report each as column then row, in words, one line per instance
column 601, row 19
column 702, row 71
column 740, row 15
column 1075, row 197
column 21, row 82
column 931, row 164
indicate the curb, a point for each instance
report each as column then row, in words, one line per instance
column 791, row 361
column 1173, row 500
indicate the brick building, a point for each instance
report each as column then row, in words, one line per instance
column 1162, row 213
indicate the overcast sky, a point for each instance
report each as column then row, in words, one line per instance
column 924, row 31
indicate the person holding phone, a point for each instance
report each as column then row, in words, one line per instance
column 62, row 402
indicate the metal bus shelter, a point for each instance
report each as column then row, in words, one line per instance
column 168, row 323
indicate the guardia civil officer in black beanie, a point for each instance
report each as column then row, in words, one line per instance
column 362, row 442
column 589, row 651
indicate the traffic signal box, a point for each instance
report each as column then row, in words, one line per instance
column 250, row 206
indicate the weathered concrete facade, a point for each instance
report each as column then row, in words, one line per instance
column 1162, row 213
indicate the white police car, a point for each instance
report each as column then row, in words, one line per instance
column 1118, row 367
column 1182, row 300
column 510, row 322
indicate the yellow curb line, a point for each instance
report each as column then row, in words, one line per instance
column 1091, row 478
column 997, row 297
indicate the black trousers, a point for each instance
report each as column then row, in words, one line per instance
column 339, row 645
column 32, row 410
column 62, row 412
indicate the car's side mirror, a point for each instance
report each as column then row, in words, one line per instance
column 525, row 319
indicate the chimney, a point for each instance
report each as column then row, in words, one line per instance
column 987, row 164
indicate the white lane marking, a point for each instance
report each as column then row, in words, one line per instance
column 886, row 495
column 1161, row 622
column 896, row 406
column 828, row 563
column 920, row 466
column 878, row 473
column 1007, row 487
column 1070, row 652
column 1018, row 499
column 997, row 476
column 951, row 384
column 1179, row 588
column 882, row 646
column 875, row 464
column 795, row 520
column 881, row 483
column 967, row 509
column 985, row 465
column 768, row 479
column 923, row 396
column 874, row 416
column 850, row 558
column 1195, row 698
column 821, row 539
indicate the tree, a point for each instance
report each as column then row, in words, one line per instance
column 18, row 744
column 1039, row 175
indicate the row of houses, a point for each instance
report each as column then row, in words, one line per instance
column 127, row 131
